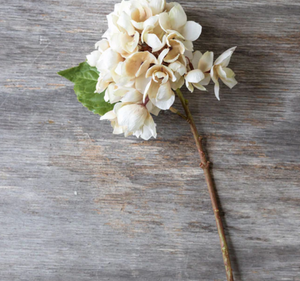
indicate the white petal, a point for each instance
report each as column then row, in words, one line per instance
column 151, row 22
column 195, row 76
column 151, row 91
column 178, row 84
column 109, row 60
column 149, row 129
column 229, row 79
column 161, row 68
column 119, row 67
column 173, row 35
column 112, row 23
column 124, row 22
column 93, row 58
column 191, row 31
column 115, row 40
column 103, row 81
column 169, row 6
column 114, row 93
column 110, row 115
column 137, row 64
column 132, row 116
column 229, row 82
column 199, row 87
column 189, row 86
column 224, row 59
column 196, row 58
column 206, row 80
column 165, row 97
column 102, row 45
column 117, row 129
column 189, row 46
column 214, row 77
column 141, row 83
column 137, row 25
column 145, row 134
column 177, row 17
column 220, row 71
column 217, row 90
column 153, row 41
column 157, row 6
column 229, row 72
column 177, row 49
column 132, row 96
column 164, row 22
column 129, row 43
column 152, row 108
column 178, row 67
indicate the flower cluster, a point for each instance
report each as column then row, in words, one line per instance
column 146, row 54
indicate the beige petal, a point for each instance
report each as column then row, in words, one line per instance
column 161, row 68
column 162, row 55
column 177, row 49
column 137, row 64
column 206, row 62
column 174, row 35
column 141, row 83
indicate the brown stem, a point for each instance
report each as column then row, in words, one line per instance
column 205, row 165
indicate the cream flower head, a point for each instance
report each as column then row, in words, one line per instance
column 147, row 54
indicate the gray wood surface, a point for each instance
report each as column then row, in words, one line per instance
column 78, row 203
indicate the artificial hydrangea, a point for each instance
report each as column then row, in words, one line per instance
column 147, row 53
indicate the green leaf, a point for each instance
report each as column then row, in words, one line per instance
column 85, row 79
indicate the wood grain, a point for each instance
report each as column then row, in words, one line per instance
column 78, row 203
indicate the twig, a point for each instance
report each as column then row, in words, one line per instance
column 174, row 110
column 205, row 165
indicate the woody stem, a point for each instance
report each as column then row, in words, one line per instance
column 205, row 165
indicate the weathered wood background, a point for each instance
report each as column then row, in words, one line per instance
column 78, row 203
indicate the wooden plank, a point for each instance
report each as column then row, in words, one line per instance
column 78, row 203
